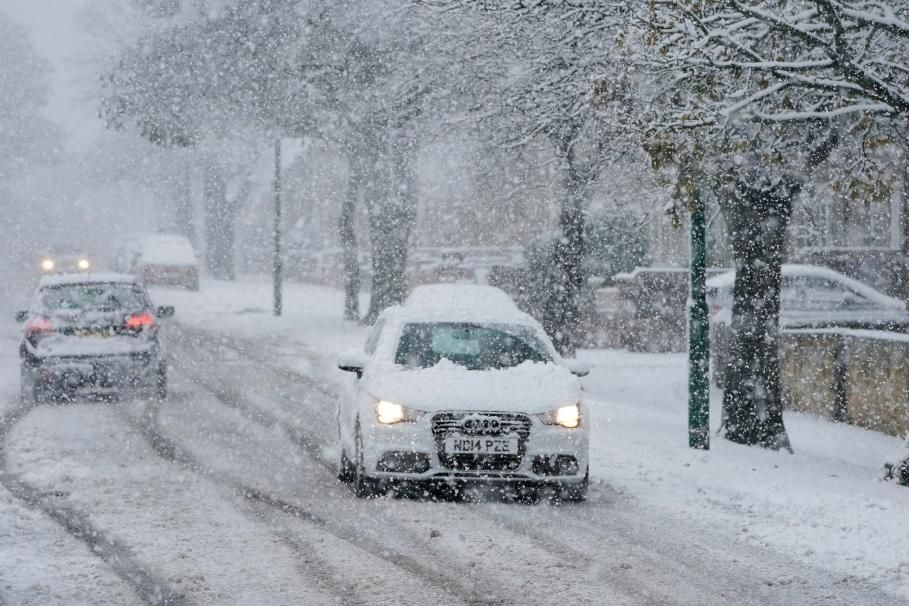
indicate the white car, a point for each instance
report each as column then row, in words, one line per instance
column 811, row 296
column 159, row 259
column 458, row 385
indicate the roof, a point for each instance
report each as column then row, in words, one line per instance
column 727, row 280
column 459, row 303
column 167, row 249
column 86, row 278
column 475, row 297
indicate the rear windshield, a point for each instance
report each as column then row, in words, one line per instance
column 474, row 346
column 98, row 296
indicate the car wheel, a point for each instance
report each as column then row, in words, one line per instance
column 347, row 471
column 161, row 383
column 364, row 486
column 575, row 492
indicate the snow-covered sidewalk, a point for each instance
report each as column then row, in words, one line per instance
column 823, row 505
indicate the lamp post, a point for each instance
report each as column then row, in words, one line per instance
column 698, row 332
column 277, row 261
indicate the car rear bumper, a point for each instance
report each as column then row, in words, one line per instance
column 96, row 374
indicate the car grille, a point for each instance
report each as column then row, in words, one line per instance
column 445, row 424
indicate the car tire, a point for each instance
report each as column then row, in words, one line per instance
column 347, row 471
column 161, row 383
column 575, row 492
column 364, row 486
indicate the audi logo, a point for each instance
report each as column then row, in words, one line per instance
column 481, row 424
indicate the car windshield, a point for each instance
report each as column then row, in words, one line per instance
column 474, row 346
column 801, row 293
column 106, row 297
column 814, row 293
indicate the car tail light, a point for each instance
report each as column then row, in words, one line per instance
column 38, row 326
column 140, row 321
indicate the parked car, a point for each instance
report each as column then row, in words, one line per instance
column 64, row 259
column 811, row 296
column 456, row 386
column 165, row 259
column 91, row 333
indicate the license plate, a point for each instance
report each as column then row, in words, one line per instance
column 93, row 333
column 481, row 445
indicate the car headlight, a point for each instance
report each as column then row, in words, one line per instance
column 389, row 413
column 83, row 264
column 566, row 416
column 47, row 264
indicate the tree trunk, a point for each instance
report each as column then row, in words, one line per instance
column 752, row 400
column 348, row 237
column 219, row 226
column 392, row 210
column 561, row 309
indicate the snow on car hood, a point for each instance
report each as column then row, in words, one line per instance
column 529, row 387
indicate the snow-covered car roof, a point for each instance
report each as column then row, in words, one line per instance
column 474, row 298
column 86, row 278
column 167, row 249
column 459, row 303
column 727, row 280
column 448, row 314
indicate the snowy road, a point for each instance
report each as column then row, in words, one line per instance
column 226, row 493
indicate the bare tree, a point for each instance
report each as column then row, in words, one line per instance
column 749, row 99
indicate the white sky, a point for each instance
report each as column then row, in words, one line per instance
column 56, row 36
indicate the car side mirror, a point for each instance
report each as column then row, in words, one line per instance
column 21, row 316
column 164, row 311
column 577, row 368
column 352, row 361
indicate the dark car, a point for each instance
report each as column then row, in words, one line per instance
column 63, row 259
column 92, row 333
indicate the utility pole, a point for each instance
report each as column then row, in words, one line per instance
column 698, row 332
column 278, row 265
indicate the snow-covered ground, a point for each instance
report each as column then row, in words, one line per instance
column 210, row 498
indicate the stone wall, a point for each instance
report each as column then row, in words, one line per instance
column 860, row 377
column 807, row 370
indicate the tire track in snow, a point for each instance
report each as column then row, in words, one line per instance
column 117, row 555
column 170, row 450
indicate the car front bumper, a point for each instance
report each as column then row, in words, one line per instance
column 550, row 454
